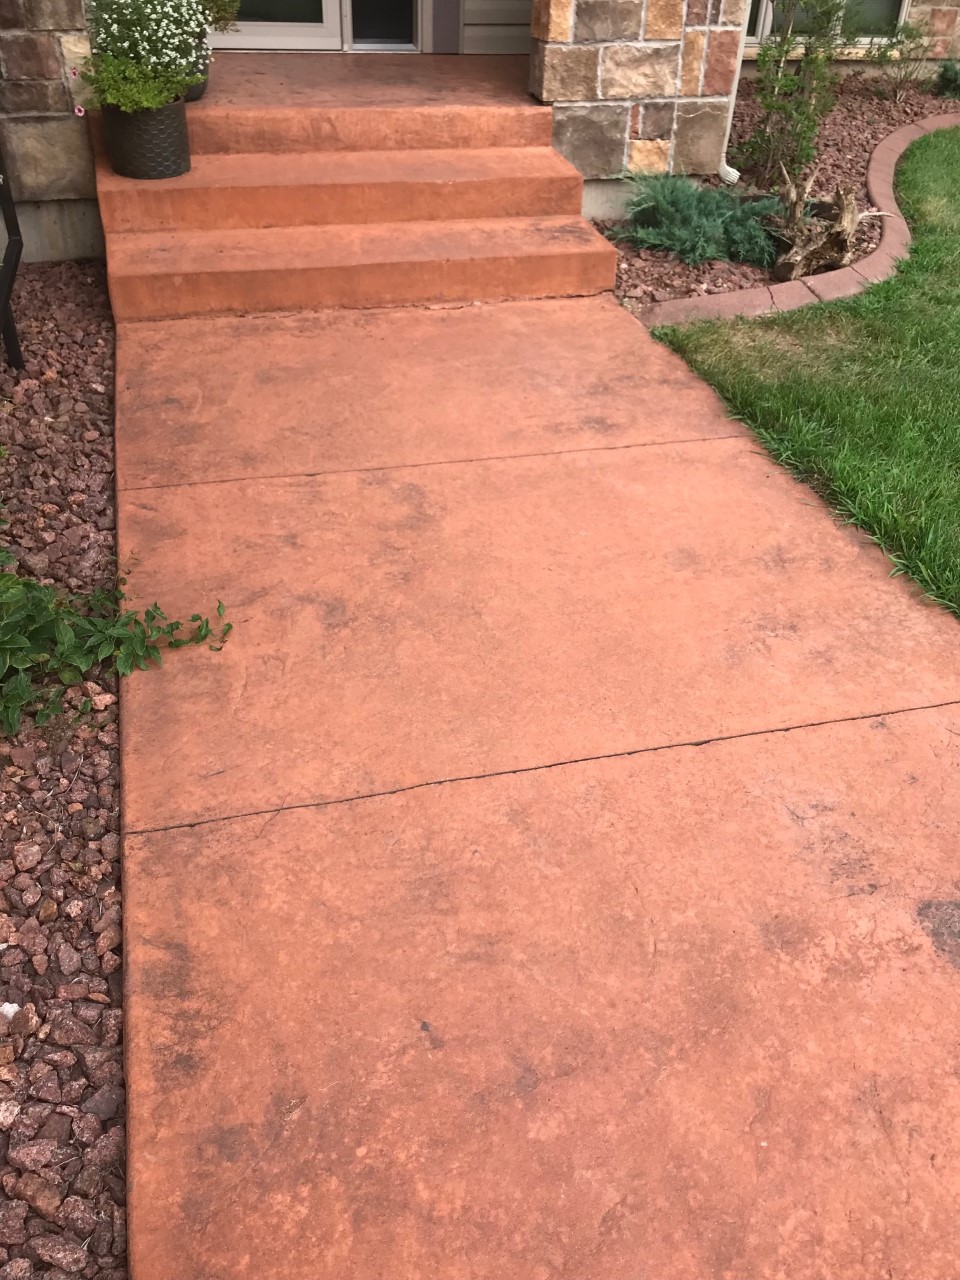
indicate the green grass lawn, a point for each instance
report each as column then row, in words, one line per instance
column 862, row 398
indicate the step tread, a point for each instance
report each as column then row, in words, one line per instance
column 144, row 253
column 343, row 168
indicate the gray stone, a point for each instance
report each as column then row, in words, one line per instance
column 657, row 120
column 48, row 159
column 12, row 13
column 701, row 132
column 593, row 136
column 55, row 15
column 33, row 97
column 608, row 20
column 639, row 71
column 29, row 55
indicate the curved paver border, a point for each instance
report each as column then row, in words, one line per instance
column 845, row 282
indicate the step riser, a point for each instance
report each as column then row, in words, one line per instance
column 232, row 131
column 376, row 284
column 145, row 208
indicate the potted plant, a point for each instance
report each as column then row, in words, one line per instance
column 143, row 61
column 220, row 16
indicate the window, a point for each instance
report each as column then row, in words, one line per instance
column 874, row 17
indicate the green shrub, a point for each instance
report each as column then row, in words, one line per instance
column 698, row 224
column 796, row 80
column 948, row 79
column 900, row 54
column 144, row 52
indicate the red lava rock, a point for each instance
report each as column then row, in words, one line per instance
column 108, row 1150
column 106, row 1103
column 34, row 1155
column 13, row 1215
column 68, row 1255
column 41, row 1195
column 59, row 797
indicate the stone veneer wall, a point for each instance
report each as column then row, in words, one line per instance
column 648, row 85
column 46, row 146
column 638, row 84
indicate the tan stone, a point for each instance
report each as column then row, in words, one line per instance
column 75, row 49
column 649, row 155
column 608, row 20
column 694, row 43
column 592, row 136
column 664, row 20
column 700, row 135
column 48, row 159
column 55, row 15
column 639, row 71
column 552, row 20
column 733, row 12
column 568, row 73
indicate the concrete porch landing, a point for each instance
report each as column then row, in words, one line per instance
column 554, row 878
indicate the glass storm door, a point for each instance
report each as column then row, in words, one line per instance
column 284, row 24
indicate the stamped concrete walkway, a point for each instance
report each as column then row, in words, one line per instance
column 555, row 877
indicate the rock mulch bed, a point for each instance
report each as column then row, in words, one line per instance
column 61, row 1076
column 860, row 119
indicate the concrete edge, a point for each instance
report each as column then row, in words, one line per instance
column 845, row 282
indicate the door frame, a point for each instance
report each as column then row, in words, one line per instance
column 437, row 30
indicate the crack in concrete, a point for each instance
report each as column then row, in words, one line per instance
column 438, row 462
column 273, row 811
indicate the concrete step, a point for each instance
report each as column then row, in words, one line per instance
column 220, row 128
column 225, row 192
column 164, row 274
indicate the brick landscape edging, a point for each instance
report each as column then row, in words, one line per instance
column 845, row 282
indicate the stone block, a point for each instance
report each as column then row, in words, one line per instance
column 48, row 159
column 657, row 120
column 608, row 20
column 33, row 97
column 664, row 20
column 55, row 15
column 28, row 55
column 593, row 136
column 733, row 12
column 943, row 22
column 12, row 13
column 647, row 155
column 567, row 73
column 700, row 136
column 75, row 49
column 694, row 43
column 552, row 20
column 697, row 13
column 639, row 71
column 723, row 63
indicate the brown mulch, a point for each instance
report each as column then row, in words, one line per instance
column 861, row 118
column 61, row 1077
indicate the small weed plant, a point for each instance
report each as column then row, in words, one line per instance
column 49, row 641
column 698, row 224
column 901, row 55
column 948, row 79
column 795, row 86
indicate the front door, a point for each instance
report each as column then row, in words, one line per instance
column 284, row 24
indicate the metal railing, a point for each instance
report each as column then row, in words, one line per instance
column 8, row 269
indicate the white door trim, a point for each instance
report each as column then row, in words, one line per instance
column 284, row 35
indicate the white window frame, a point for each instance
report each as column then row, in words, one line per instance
column 765, row 22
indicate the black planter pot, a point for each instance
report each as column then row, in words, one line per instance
column 148, row 144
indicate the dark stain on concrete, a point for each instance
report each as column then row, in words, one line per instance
column 940, row 921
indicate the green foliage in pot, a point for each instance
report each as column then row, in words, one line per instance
column 144, row 52
column 221, row 14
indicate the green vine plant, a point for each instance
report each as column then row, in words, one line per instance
column 795, row 86
column 50, row 641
